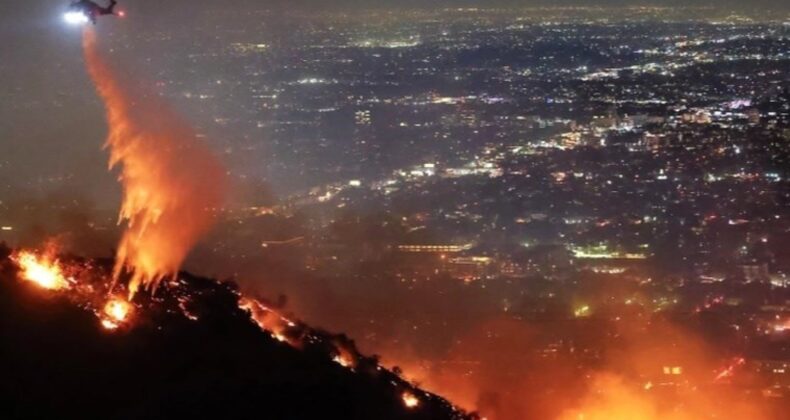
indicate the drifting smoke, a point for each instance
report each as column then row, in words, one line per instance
column 667, row 373
column 171, row 182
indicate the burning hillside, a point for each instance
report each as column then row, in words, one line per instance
column 79, row 342
column 197, row 347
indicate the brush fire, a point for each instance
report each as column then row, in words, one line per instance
column 46, row 271
column 90, row 286
column 41, row 269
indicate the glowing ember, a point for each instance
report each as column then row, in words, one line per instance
column 109, row 325
column 342, row 361
column 41, row 270
column 117, row 309
column 345, row 355
column 115, row 313
column 729, row 370
column 410, row 400
column 182, row 303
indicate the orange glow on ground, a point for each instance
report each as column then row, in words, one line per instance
column 42, row 270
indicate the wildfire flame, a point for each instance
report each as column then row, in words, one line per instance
column 46, row 271
column 115, row 313
column 267, row 319
column 410, row 400
column 43, row 270
column 171, row 182
column 343, row 360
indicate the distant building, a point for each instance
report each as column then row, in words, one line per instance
column 362, row 118
column 469, row 268
column 756, row 273
column 435, row 248
column 653, row 142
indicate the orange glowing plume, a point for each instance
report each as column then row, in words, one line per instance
column 171, row 182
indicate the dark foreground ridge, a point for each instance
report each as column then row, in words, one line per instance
column 57, row 362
